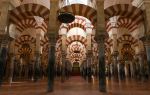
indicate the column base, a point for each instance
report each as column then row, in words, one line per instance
column 50, row 90
column 102, row 89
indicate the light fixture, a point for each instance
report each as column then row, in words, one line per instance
column 65, row 17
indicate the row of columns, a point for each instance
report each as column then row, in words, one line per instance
column 129, row 69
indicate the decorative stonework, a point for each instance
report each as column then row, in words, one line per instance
column 100, row 38
column 52, row 38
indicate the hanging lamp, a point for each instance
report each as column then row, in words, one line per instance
column 65, row 17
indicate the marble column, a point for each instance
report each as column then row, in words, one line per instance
column 3, row 58
column 39, row 34
column 115, row 64
column 63, row 66
column 51, row 62
column 147, row 47
column 89, row 64
column 63, row 32
column 113, row 33
column 146, row 8
column 141, row 63
column 37, row 56
column 3, row 55
column 84, row 69
column 102, row 76
column 11, row 67
column 146, row 41
column 115, row 56
column 4, row 45
column 64, row 54
column 89, row 53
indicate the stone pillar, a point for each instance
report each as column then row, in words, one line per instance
column 115, row 48
column 102, row 76
column 51, row 67
column 115, row 64
column 147, row 47
column 4, row 46
column 84, row 69
column 37, row 56
column 12, row 57
column 115, row 56
column 89, row 64
column 64, row 54
column 21, row 64
column 141, row 64
column 89, row 43
column 63, row 32
column 39, row 34
column 146, row 41
column 63, row 66
column 89, row 52
column 3, row 56
column 113, row 34
column 146, row 4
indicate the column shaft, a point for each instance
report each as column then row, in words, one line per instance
column 102, row 76
column 51, row 67
column 37, row 56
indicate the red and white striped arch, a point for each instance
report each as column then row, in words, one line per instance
column 45, row 51
column 45, row 44
column 76, row 55
column 44, row 41
column 125, row 23
column 78, row 22
column 72, row 25
column 30, row 23
column 78, row 38
column 27, row 10
column 82, row 10
column 25, row 50
column 24, row 39
column 128, row 39
column 124, row 10
column 76, row 47
column 58, row 44
column 108, row 43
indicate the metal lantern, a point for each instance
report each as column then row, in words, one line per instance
column 65, row 17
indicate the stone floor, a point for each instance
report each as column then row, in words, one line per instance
column 77, row 86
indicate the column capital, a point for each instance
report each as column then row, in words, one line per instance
column 115, row 53
column 5, row 40
column 100, row 38
column 89, row 53
column 64, row 53
column 52, row 38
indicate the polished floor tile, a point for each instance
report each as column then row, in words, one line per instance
column 77, row 86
